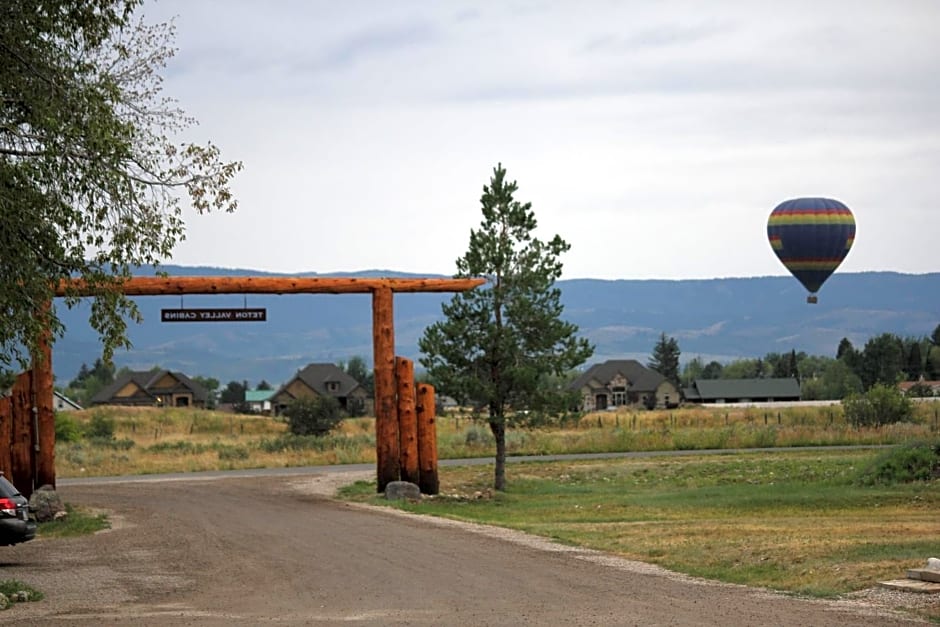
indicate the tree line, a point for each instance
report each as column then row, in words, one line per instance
column 885, row 359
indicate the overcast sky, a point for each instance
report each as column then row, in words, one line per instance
column 655, row 137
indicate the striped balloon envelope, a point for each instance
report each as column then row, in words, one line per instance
column 811, row 236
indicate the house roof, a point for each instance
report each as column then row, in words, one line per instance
column 258, row 396
column 904, row 386
column 66, row 400
column 316, row 376
column 641, row 378
column 146, row 380
column 712, row 389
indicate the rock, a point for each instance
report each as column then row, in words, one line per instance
column 46, row 505
column 397, row 490
column 933, row 563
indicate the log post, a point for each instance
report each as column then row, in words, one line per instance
column 6, row 435
column 407, row 420
column 21, row 454
column 427, row 440
column 44, row 438
column 386, row 415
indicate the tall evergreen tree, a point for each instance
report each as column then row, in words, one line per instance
column 915, row 363
column 498, row 344
column 793, row 369
column 845, row 348
column 665, row 358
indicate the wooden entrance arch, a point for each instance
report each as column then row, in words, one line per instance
column 388, row 463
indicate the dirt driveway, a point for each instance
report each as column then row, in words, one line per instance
column 276, row 550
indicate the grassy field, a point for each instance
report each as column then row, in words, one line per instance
column 790, row 520
column 150, row 440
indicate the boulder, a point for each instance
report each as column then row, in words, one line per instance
column 45, row 504
column 398, row 490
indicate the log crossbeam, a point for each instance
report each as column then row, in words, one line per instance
column 162, row 286
column 383, row 333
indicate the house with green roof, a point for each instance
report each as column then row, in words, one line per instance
column 259, row 401
column 743, row 390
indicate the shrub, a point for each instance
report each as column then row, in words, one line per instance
column 177, row 446
column 124, row 444
column 100, row 427
column 916, row 461
column 66, row 428
column 881, row 405
column 17, row 591
column 313, row 416
column 232, row 453
column 920, row 390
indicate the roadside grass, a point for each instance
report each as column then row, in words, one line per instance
column 78, row 522
column 151, row 440
column 16, row 591
column 787, row 520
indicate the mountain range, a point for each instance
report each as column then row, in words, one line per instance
column 722, row 319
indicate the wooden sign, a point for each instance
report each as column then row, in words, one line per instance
column 213, row 315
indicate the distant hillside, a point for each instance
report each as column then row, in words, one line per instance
column 720, row 319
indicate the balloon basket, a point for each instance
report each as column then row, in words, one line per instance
column 811, row 299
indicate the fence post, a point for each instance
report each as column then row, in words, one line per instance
column 426, row 410
column 386, row 415
column 407, row 420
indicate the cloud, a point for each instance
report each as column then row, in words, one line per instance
column 654, row 137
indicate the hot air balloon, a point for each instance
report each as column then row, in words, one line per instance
column 811, row 236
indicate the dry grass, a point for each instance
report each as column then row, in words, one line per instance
column 151, row 440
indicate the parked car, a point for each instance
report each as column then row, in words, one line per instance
column 15, row 525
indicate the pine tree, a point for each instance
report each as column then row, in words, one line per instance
column 915, row 363
column 665, row 358
column 499, row 344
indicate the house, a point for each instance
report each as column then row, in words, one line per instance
column 323, row 380
column 61, row 402
column 619, row 382
column 922, row 385
column 259, row 401
column 742, row 390
column 161, row 388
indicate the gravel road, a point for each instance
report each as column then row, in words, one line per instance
column 277, row 550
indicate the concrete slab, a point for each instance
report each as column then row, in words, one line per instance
column 924, row 574
column 912, row 585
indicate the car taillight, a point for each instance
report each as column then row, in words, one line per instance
column 7, row 506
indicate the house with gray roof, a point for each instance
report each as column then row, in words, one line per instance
column 742, row 390
column 623, row 382
column 323, row 380
column 153, row 388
